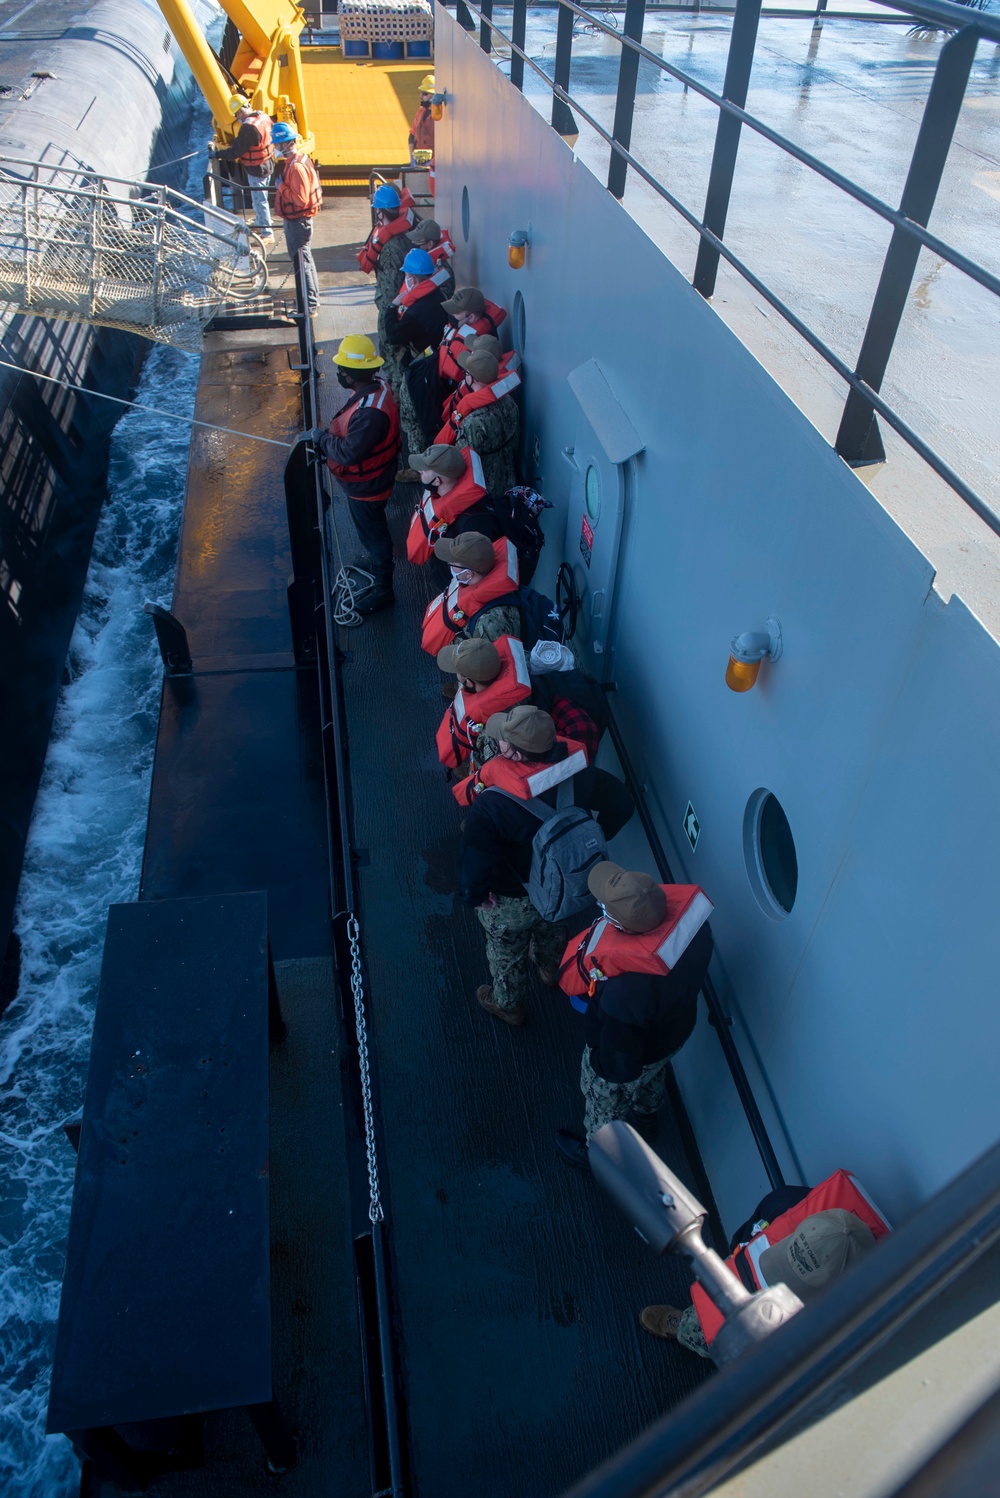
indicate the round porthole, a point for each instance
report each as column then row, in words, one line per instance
column 518, row 328
column 465, row 214
column 592, row 494
column 769, row 852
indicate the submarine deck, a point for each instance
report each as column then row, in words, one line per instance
column 516, row 1285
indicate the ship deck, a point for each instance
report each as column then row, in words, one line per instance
column 516, row 1285
column 360, row 111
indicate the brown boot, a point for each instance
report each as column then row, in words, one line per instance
column 662, row 1321
column 484, row 998
column 548, row 975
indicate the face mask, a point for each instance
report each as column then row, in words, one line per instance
column 462, row 575
column 343, row 378
column 609, row 917
column 433, row 486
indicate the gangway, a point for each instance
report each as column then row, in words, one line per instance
column 84, row 247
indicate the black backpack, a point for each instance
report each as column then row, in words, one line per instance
column 517, row 512
column 539, row 616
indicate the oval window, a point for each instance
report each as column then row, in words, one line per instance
column 465, row 214
column 592, row 493
column 518, row 319
column 769, row 853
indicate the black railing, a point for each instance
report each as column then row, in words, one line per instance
column 857, row 440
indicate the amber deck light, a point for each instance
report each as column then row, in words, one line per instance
column 746, row 653
column 517, row 246
column 437, row 106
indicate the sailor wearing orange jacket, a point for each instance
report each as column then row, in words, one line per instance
column 298, row 197
column 453, row 500
column 634, row 975
column 492, row 676
column 497, row 836
column 483, row 414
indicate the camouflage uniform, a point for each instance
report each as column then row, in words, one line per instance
column 505, row 619
column 409, row 421
column 690, row 1334
column 605, row 1101
column 388, row 280
column 515, row 933
column 493, row 431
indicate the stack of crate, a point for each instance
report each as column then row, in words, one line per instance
column 386, row 28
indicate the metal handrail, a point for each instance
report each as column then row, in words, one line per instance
column 878, row 404
column 717, row 1016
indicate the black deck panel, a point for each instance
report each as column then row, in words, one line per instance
column 166, row 1302
column 518, row 1284
column 237, row 796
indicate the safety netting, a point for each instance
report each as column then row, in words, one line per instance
column 79, row 245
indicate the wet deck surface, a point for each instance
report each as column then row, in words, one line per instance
column 517, row 1285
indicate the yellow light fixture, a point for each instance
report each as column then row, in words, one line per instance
column 517, row 246
column 748, row 650
column 437, row 106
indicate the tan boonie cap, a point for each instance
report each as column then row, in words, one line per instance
column 479, row 660
column 632, row 899
column 817, row 1252
column 481, row 365
column 523, row 726
column 440, row 458
column 485, row 343
column 465, row 299
column 426, row 232
column 470, row 549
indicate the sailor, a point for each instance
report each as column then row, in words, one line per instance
column 361, row 448
column 469, row 313
column 298, row 197
column 428, row 235
column 422, row 131
column 483, row 414
column 415, row 328
column 453, row 501
column 798, row 1237
column 481, row 600
column 384, row 251
column 492, row 676
column 635, row 975
column 497, row 837
column 252, row 148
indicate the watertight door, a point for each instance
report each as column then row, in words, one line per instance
column 601, row 460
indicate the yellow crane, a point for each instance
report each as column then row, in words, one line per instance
column 353, row 115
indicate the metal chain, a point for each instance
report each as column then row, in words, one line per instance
column 357, row 993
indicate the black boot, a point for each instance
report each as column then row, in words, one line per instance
column 375, row 599
column 645, row 1124
column 573, row 1149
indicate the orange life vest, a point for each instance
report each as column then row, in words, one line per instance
column 838, row 1190
column 519, row 779
column 454, row 340
column 466, row 717
column 411, row 294
column 380, row 236
column 299, row 193
column 423, row 129
column 262, row 154
column 435, row 513
column 449, row 613
column 383, row 456
column 602, row 951
column 456, row 410
column 443, row 251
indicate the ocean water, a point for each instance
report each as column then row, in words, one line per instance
column 84, row 853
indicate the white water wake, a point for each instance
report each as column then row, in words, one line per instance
column 84, row 853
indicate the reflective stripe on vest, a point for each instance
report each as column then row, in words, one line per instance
column 373, row 463
column 519, row 779
column 475, row 400
column 838, row 1190
column 604, row 951
column 459, row 730
column 434, row 514
column 449, row 613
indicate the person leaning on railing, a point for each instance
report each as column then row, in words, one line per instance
column 298, row 197
column 254, row 150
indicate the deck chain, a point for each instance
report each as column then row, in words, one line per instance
column 375, row 1213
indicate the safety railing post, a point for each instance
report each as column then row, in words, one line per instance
column 485, row 31
column 628, row 77
column 518, row 31
column 463, row 16
column 858, row 440
column 563, row 121
column 742, row 42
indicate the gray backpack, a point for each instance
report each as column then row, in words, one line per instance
column 563, row 852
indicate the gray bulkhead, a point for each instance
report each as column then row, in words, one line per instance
column 867, row 1016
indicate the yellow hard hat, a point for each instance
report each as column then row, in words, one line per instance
column 236, row 103
column 357, row 352
column 427, row 84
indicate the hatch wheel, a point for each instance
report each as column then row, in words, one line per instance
column 567, row 600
